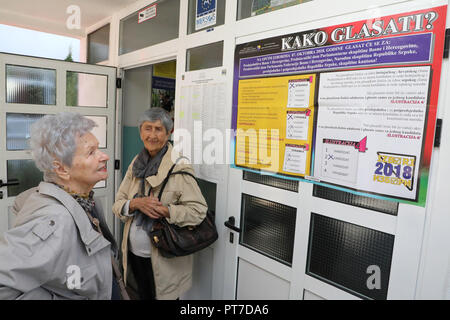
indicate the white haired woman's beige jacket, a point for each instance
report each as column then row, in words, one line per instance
column 187, row 206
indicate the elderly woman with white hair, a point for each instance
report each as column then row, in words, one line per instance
column 59, row 247
column 137, row 205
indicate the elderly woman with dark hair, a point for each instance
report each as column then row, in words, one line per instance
column 57, row 250
column 137, row 205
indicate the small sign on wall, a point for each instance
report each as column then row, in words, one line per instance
column 206, row 14
column 147, row 13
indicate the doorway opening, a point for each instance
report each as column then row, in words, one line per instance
column 144, row 87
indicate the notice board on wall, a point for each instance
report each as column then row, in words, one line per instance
column 201, row 128
column 350, row 106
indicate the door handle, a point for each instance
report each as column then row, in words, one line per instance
column 230, row 224
column 13, row 182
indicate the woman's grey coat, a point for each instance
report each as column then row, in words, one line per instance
column 53, row 237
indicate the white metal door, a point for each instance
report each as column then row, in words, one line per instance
column 256, row 270
column 32, row 87
column 252, row 273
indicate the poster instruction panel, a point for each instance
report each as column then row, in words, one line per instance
column 350, row 106
column 371, row 121
column 275, row 123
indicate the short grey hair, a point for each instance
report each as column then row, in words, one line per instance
column 53, row 137
column 155, row 114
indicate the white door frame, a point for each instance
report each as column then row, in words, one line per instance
column 104, row 194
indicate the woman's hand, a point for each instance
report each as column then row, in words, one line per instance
column 150, row 206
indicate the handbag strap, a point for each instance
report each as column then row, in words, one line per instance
column 166, row 179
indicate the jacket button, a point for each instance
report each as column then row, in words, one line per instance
column 52, row 223
column 89, row 249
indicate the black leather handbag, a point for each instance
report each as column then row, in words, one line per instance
column 174, row 241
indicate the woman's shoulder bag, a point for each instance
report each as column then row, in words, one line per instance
column 175, row 241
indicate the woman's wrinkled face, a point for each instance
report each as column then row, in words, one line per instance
column 89, row 163
column 154, row 136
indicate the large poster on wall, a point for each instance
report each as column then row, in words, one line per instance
column 349, row 106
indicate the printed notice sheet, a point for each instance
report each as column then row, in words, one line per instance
column 370, row 129
column 204, row 122
column 275, row 123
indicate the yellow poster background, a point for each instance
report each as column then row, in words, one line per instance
column 261, row 123
column 166, row 69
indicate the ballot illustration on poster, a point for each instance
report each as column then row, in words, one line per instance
column 295, row 158
column 340, row 159
column 297, row 124
column 298, row 93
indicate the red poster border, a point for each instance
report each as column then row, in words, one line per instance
column 436, row 27
column 438, row 30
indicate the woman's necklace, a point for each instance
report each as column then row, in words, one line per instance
column 85, row 200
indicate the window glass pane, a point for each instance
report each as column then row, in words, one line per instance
column 25, row 172
column 151, row 25
column 250, row 8
column 268, row 227
column 219, row 14
column 30, row 85
column 100, row 131
column 18, row 130
column 86, row 90
column 204, row 57
column 98, row 45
